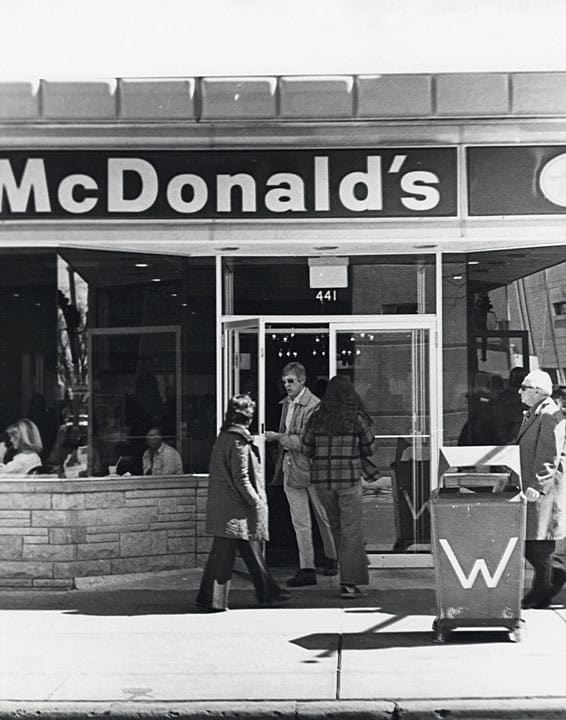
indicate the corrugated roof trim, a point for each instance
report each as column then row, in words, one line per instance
column 287, row 98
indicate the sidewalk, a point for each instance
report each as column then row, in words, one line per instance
column 138, row 647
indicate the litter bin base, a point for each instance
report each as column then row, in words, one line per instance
column 442, row 627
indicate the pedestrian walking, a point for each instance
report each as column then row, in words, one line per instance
column 541, row 444
column 236, row 512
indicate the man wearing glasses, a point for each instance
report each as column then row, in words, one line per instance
column 541, row 445
column 294, row 466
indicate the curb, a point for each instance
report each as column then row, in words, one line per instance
column 496, row 709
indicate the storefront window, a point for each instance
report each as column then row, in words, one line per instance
column 368, row 285
column 99, row 347
column 28, row 347
column 502, row 313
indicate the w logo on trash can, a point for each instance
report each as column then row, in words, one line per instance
column 479, row 566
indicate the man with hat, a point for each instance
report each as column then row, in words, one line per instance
column 541, row 444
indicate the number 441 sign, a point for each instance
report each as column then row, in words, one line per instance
column 326, row 296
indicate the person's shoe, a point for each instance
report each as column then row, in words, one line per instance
column 536, row 600
column 304, row 576
column 558, row 580
column 351, row 592
column 280, row 596
column 330, row 567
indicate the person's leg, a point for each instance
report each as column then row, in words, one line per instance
column 351, row 554
column 300, row 512
column 215, row 583
column 539, row 554
column 321, row 517
column 266, row 587
column 558, row 567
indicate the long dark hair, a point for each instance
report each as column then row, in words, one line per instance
column 338, row 411
column 240, row 411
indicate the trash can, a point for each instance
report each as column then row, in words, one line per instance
column 478, row 518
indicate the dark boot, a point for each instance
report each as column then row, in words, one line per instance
column 304, row 576
column 331, row 567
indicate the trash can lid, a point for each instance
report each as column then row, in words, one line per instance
column 466, row 456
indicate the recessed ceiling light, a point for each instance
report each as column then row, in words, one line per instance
column 457, row 277
column 325, row 247
column 141, row 264
column 173, row 294
column 473, row 262
column 228, row 248
column 155, row 279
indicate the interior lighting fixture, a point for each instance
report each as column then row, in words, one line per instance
column 155, row 279
column 173, row 294
column 141, row 265
column 473, row 262
column 457, row 277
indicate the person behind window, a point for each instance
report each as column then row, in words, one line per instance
column 160, row 458
column 236, row 512
column 26, row 439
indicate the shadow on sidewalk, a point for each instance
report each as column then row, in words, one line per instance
column 178, row 601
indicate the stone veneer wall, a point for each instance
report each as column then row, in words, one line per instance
column 53, row 531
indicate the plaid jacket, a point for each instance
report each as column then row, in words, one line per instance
column 339, row 460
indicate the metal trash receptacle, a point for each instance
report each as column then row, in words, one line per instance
column 478, row 519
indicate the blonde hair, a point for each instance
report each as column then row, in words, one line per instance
column 26, row 435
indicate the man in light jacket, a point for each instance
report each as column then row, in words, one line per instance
column 297, row 407
column 541, row 445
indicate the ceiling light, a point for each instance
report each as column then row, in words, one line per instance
column 473, row 262
column 457, row 277
column 155, row 279
column 140, row 265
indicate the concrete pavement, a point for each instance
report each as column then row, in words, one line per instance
column 139, row 647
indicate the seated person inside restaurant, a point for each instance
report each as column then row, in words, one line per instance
column 26, row 441
column 160, row 458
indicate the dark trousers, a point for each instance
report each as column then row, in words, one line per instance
column 215, row 583
column 540, row 555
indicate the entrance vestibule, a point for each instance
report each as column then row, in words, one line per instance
column 391, row 362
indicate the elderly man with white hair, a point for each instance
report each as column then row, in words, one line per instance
column 541, row 444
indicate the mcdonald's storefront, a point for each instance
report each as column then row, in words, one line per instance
column 167, row 243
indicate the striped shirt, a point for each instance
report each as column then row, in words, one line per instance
column 338, row 460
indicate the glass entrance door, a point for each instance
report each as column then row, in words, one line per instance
column 391, row 361
column 243, row 368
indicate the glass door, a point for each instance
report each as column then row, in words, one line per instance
column 391, row 362
column 243, row 369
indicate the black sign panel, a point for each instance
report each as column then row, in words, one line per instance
column 231, row 184
column 516, row 180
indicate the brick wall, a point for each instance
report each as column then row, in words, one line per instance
column 53, row 531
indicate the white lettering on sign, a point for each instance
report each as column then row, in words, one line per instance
column 66, row 196
column 480, row 566
column 552, row 180
column 224, row 185
column 33, row 182
column 370, row 181
column 175, row 193
column 289, row 196
column 284, row 183
column 415, row 183
column 117, row 167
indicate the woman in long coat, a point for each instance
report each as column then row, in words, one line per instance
column 541, row 445
column 236, row 512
